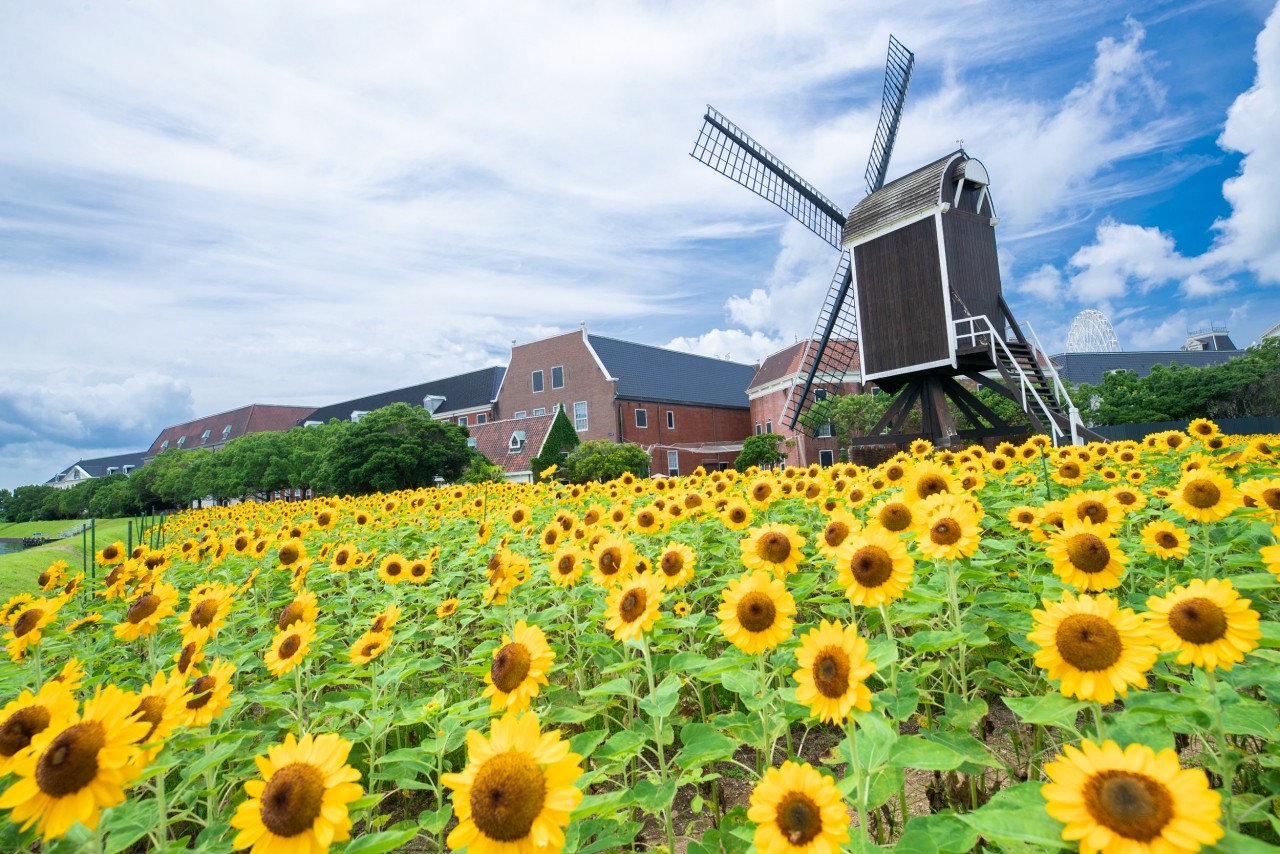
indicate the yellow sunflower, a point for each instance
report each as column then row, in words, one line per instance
column 191, row 653
column 209, row 609
column 519, row 667
column 840, row 524
column 72, row 771
column 88, row 620
column 516, row 792
column 1086, row 557
column 419, row 571
column 680, row 609
column 1131, row 801
column 947, row 530
column 447, row 608
column 210, row 695
column 928, row 478
column 613, row 556
column 112, row 554
column 162, row 708
column 144, row 615
column 289, row 646
column 344, row 558
column 1207, row 623
column 53, row 576
column 874, row 567
column 26, row 623
column 290, row 552
column 773, row 548
column 648, row 520
column 302, row 607
column 1069, row 473
column 1022, row 517
column 756, row 612
column 393, row 569
column 369, row 646
column 1264, row 494
column 1166, row 540
column 1204, row 495
column 833, row 665
column 70, row 677
column 1130, row 498
column 796, row 810
column 735, row 514
column 892, row 514
column 518, row 516
column 1096, row 648
column 300, row 804
column 676, row 565
column 632, row 608
column 567, row 566
column 1098, row 506
column 762, row 492
column 23, row 719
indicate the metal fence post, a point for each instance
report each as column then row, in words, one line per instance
column 93, row 548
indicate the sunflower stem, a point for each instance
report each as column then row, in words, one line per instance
column 765, row 740
column 856, row 769
column 162, row 810
column 35, row 657
column 297, row 685
column 1204, row 573
column 953, row 593
column 657, row 743
column 373, row 722
column 1225, row 764
column 1099, row 728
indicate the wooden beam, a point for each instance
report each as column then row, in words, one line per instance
column 970, row 403
column 946, row 425
column 891, row 413
column 986, row 382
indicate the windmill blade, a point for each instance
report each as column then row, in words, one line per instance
column 724, row 147
column 897, row 79
column 831, row 353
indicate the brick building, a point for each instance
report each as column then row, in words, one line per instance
column 465, row 399
column 82, row 470
column 513, row 443
column 782, row 375
column 684, row 410
column 214, row 431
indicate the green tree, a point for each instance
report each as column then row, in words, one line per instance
column 761, row 450
column 482, row 470
column 602, row 459
column 396, row 447
column 561, row 439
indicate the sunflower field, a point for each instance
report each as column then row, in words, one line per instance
column 1024, row 649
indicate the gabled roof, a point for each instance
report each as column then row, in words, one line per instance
column 464, row 391
column 493, row 439
column 255, row 418
column 652, row 373
column 1092, row 367
column 912, row 193
column 98, row 466
column 794, row 360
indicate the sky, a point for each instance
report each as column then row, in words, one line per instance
column 204, row 206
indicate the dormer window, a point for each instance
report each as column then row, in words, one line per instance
column 226, row 431
column 182, row 440
column 820, row 394
column 111, row 470
column 516, row 443
column 204, row 437
column 357, row 414
column 164, row 445
column 128, row 469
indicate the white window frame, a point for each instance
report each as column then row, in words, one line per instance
column 826, row 431
column 645, row 413
column 673, row 463
column 559, row 368
column 164, row 446
column 759, row 429
column 671, row 419
column 522, row 414
column 462, row 421
column 819, row 394
column 540, row 411
column 538, row 382
column 182, row 440
column 768, row 426
column 357, row 414
column 226, row 431
column 204, row 437
column 580, row 423
column 481, row 417
column 826, row 458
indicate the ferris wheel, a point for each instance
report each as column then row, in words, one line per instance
column 1091, row 332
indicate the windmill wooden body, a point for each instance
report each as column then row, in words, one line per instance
column 916, row 298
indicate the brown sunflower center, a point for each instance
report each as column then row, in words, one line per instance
column 645, row 519
column 761, row 491
column 1088, row 553
column 930, row 484
column 756, row 611
column 672, row 563
column 632, row 605
column 324, row 518
column 945, row 532
column 395, row 568
column 895, row 517
column 1069, row 470
column 29, row 620
column 201, row 692
column 1201, row 494
column 507, row 796
column 143, row 608
column 517, row 516
column 371, row 649
column 293, row 798
column 292, row 613
column 1026, row 517
column 551, row 535
column 288, row 553
column 1271, row 497
column 1166, row 540
column 70, row 761
column 1088, row 642
column 799, row 818
column 1174, row 441
column 17, row 732
column 738, row 515
column 835, row 533
column 341, row 557
column 871, row 566
column 1094, row 511
column 1132, row 805
column 1126, row 497
column 290, row 646
column 202, row 615
column 510, row 667
column 44, row 578
column 774, row 547
column 566, row 565
column 610, row 560
column 1198, row 620
column 831, row 672
column 111, row 553
column 895, row 472
column 151, row 711
column 184, row 660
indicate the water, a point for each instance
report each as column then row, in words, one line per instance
column 8, row 548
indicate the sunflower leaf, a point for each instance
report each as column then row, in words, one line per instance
column 379, row 843
column 914, row 752
column 1047, row 710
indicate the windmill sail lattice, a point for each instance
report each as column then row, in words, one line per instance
column 897, row 79
column 726, row 148
column 832, row 350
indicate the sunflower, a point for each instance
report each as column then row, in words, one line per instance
column 516, row 792
column 892, row 514
column 947, row 530
column 302, row 607
column 614, row 557
column 84, row 621
column 762, row 492
column 446, row 608
column 796, row 810
column 518, row 516
column 929, row 478
column 550, row 537
column 632, row 608
column 1022, row 517
column 144, row 615
column 73, row 770
column 736, row 515
column 191, row 653
column 874, row 567
column 519, row 666
column 343, row 558
column 567, row 566
column 26, row 623
column 676, row 565
column 1166, row 540
column 773, row 548
column 1207, row 623
column 756, row 612
column 28, row 716
column 1069, row 473
column 327, row 518
column 290, row 552
column 1086, row 556
column 1095, row 647
column 161, row 707
column 840, row 524
column 13, row 607
column 209, row 609
column 112, row 554
column 1205, row 496
column 289, row 646
column 300, row 804
column 70, row 677
column 618, row 517
column 393, row 569
column 680, row 609
column 648, row 520
column 833, row 664
column 1131, row 801
column 369, row 646
column 53, row 576
column 1099, row 507
column 1129, row 498
column 1264, row 494
column 210, row 695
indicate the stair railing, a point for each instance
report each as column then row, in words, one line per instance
column 1073, row 413
column 981, row 327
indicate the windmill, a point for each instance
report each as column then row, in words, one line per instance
column 915, row 301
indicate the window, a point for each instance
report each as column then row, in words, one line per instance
column 671, row 420
column 540, row 411
column 164, row 444
column 723, row 466
column 557, row 377
column 312, row 423
column 826, row 431
column 537, row 381
column 642, row 418
column 826, row 458
column 226, row 431
column 759, row 429
column 204, row 437
column 820, row 394
column 462, row 421
column 182, row 440
column 516, row 443
column 128, row 469
column 673, row 463
column 471, row 441
column 580, row 416
column 481, row 418
column 111, row 470
column 768, row 426
column 522, row 414
column 357, row 414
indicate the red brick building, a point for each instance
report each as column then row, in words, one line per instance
column 214, row 431
column 684, row 410
column 513, row 443
column 782, row 375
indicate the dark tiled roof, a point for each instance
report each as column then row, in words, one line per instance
column 913, row 192
column 794, row 360
column 494, row 440
column 464, row 391
column 1092, row 367
column 655, row 373
column 98, row 467
column 256, row 418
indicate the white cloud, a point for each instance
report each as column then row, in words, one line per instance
column 732, row 344
column 73, row 410
column 1045, row 284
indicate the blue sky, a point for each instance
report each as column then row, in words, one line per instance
column 203, row 208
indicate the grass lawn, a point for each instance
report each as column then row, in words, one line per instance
column 49, row 529
column 19, row 570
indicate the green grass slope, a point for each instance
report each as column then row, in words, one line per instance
column 19, row 570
